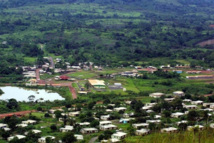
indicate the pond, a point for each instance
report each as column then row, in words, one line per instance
column 22, row 94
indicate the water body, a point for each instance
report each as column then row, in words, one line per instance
column 22, row 94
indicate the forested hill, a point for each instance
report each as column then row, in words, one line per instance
column 159, row 5
column 106, row 31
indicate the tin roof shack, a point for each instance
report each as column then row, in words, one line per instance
column 97, row 83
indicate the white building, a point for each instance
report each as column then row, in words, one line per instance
column 153, row 121
column 140, row 125
column 66, row 128
column 178, row 93
column 21, row 125
column 169, row 99
column 74, row 114
column 88, row 130
column 3, row 125
column 108, row 127
column 43, row 139
column 142, row 132
column 84, row 124
column 78, row 137
column 169, row 130
column 190, row 106
column 16, row 136
column 156, row 95
column 29, row 122
column 198, row 102
column 177, row 115
column 120, row 109
column 104, row 117
column 126, row 120
column 118, row 135
column 102, row 123
column 190, row 128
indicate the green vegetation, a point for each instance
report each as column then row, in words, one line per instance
column 108, row 32
column 83, row 75
column 204, row 136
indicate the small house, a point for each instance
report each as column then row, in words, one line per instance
column 97, row 83
column 22, row 125
column 142, row 132
column 29, row 122
column 120, row 109
column 169, row 130
column 140, row 125
column 88, row 130
column 125, row 120
column 153, row 121
column 66, row 128
column 108, row 127
column 43, row 139
column 118, row 135
column 16, row 136
column 200, row 127
column 177, row 115
column 190, row 106
column 74, row 114
column 178, row 93
column 78, row 137
column 198, row 102
column 3, row 125
column 105, row 117
column 84, row 124
column 156, row 95
column 102, row 123
column 169, row 99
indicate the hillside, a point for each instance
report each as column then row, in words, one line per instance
column 107, row 32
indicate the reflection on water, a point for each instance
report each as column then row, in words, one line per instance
column 22, row 94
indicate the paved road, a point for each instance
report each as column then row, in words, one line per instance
column 16, row 113
column 93, row 139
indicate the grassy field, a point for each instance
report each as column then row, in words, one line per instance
column 205, row 136
column 83, row 75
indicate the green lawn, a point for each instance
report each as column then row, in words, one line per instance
column 31, row 60
column 83, row 74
